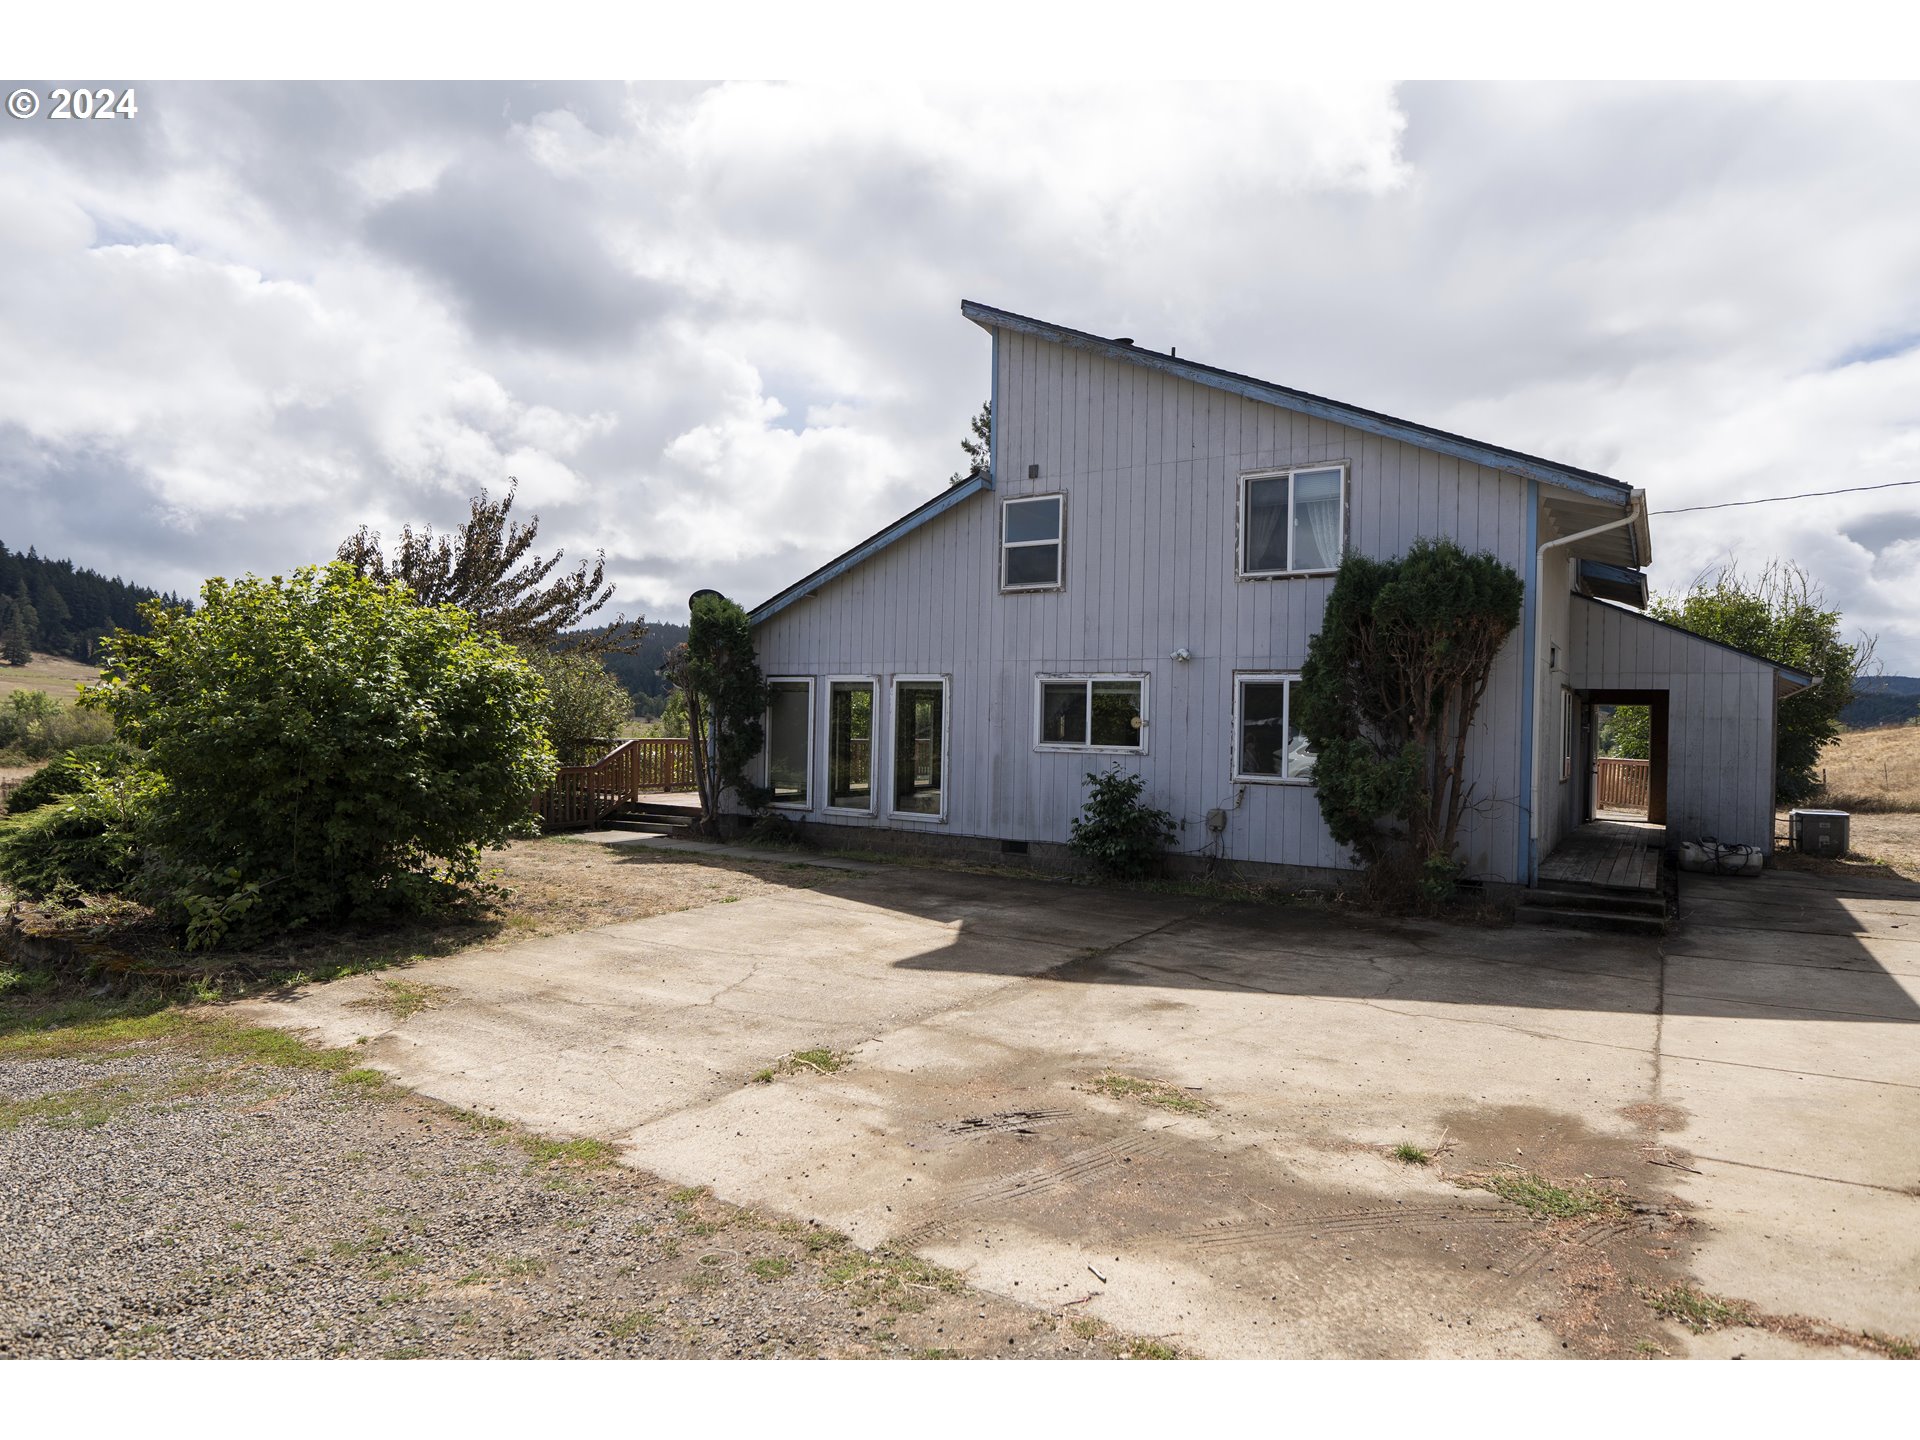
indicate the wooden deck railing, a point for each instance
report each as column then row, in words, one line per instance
column 1620, row 784
column 586, row 794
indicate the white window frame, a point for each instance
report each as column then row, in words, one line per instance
column 872, row 682
column 766, row 746
column 1241, row 678
column 945, row 682
column 1242, row 535
column 1040, row 742
column 1059, row 581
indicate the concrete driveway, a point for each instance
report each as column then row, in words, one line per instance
column 1747, row 1095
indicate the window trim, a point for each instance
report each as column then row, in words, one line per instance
column 1041, row 743
column 872, row 682
column 945, row 682
column 1241, row 535
column 766, row 747
column 1059, row 581
column 1264, row 677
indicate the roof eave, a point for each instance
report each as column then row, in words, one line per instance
column 873, row 544
column 1532, row 467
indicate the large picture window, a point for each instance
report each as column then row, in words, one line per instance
column 1032, row 537
column 920, row 746
column 850, row 744
column 1091, row 712
column 1266, row 744
column 789, row 743
column 1293, row 522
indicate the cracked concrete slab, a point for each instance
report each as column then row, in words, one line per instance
column 1744, row 1098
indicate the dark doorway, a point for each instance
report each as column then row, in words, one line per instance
column 1631, row 783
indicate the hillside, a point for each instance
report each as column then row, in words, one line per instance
column 55, row 674
column 640, row 672
column 1873, row 770
column 62, row 610
column 1883, row 700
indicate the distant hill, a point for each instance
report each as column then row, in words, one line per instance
column 63, row 609
column 1882, row 700
column 640, row 672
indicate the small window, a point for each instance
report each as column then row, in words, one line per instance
column 1267, row 746
column 1293, row 522
column 850, row 745
column 920, row 747
column 1093, row 712
column 1030, row 542
column 789, row 743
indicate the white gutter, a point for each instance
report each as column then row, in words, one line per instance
column 1636, row 513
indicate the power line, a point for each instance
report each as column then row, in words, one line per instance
column 1771, row 499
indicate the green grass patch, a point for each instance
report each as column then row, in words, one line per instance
column 624, row 1327
column 1411, row 1155
column 1148, row 1350
column 1149, row 1092
column 817, row 1061
column 772, row 1267
column 402, row 999
column 1543, row 1198
column 899, row 1281
column 1697, row 1310
column 587, row 1153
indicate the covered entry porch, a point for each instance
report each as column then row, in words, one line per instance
column 1608, row 855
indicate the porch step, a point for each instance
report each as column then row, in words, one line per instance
column 648, row 819
column 1626, row 912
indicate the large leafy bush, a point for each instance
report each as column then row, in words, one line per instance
column 327, row 740
column 34, row 726
column 585, row 705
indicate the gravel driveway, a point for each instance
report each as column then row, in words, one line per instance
column 162, row 1203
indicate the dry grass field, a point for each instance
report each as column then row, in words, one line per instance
column 1874, row 771
column 50, row 673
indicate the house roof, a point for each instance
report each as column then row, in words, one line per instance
column 1497, row 457
column 939, row 505
column 1786, row 679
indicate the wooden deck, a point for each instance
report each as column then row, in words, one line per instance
column 1612, row 854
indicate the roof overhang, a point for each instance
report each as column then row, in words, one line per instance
column 1601, row 581
column 1629, row 546
column 1585, row 483
column 905, row 525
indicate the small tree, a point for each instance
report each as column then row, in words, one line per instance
column 484, row 569
column 1783, row 616
column 1628, row 733
column 585, row 704
column 15, row 648
column 326, row 740
column 1387, row 700
column 977, row 444
column 725, row 699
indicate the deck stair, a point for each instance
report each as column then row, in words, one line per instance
column 1594, row 907
column 652, row 818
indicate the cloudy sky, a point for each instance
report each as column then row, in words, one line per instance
column 714, row 330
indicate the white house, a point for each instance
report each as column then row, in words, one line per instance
column 1134, row 582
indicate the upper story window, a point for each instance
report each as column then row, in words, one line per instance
column 1293, row 522
column 1032, row 533
column 1091, row 712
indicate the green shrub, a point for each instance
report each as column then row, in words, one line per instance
column 1120, row 834
column 325, row 739
column 36, row 726
column 67, row 775
column 88, row 842
column 585, row 705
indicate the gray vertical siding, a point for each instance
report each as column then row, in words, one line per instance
column 1149, row 464
column 1720, row 717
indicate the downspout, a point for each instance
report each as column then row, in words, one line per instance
column 1636, row 511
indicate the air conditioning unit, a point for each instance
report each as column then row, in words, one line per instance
column 1818, row 832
